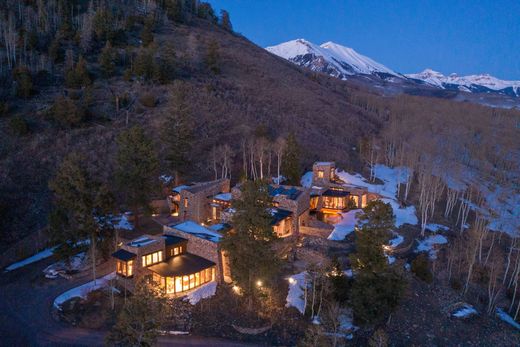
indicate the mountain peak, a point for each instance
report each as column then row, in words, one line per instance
column 329, row 57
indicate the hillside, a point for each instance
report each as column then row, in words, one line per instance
column 254, row 91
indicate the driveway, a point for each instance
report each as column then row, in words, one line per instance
column 26, row 299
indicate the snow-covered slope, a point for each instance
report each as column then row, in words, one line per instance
column 331, row 58
column 472, row 83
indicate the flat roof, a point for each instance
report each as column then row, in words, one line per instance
column 124, row 255
column 141, row 241
column 291, row 192
column 335, row 193
column 173, row 240
column 180, row 265
column 324, row 163
column 192, row 228
column 279, row 215
column 223, row 196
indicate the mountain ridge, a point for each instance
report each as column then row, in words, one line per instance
column 343, row 62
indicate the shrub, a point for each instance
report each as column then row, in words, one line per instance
column 19, row 126
column 421, row 268
column 456, row 284
column 148, row 100
column 66, row 113
column 24, row 84
column 78, row 76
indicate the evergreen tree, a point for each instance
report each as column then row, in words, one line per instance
column 77, row 76
column 291, row 161
column 377, row 288
column 141, row 318
column 136, row 173
column 24, row 84
column 249, row 244
column 175, row 10
column 66, row 113
column 107, row 60
column 82, row 207
column 144, row 64
column 212, row 59
column 177, row 132
column 225, row 21
column 147, row 33
column 205, row 11
column 372, row 232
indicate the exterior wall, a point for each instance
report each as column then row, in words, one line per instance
column 139, row 271
column 329, row 171
column 199, row 198
column 201, row 247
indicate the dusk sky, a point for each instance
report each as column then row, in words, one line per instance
column 466, row 37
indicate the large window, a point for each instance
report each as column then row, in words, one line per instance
column 176, row 251
column 152, row 258
column 337, row 203
column 125, row 268
column 179, row 284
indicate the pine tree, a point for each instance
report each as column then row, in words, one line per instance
column 147, row 33
column 82, row 207
column 225, row 21
column 141, row 318
column 137, row 165
column 372, row 232
column 177, row 133
column 107, row 60
column 377, row 288
column 24, row 85
column 291, row 161
column 249, row 244
column 175, row 11
column 212, row 59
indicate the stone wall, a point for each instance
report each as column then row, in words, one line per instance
column 199, row 197
column 201, row 247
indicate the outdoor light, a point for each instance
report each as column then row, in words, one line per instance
column 259, row 283
column 236, row 289
column 292, row 280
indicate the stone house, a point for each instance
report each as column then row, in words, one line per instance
column 175, row 263
column 290, row 208
column 200, row 202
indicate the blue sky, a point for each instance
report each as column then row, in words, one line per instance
column 466, row 37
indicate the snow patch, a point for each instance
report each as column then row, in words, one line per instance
column 306, row 180
column 507, row 318
column 205, row 291
column 345, row 226
column 295, row 294
column 83, row 290
column 436, row 227
column 465, row 311
column 428, row 245
column 33, row 259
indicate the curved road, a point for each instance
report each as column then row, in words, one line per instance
column 26, row 299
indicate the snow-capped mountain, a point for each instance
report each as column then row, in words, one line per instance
column 472, row 83
column 330, row 58
column 345, row 63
